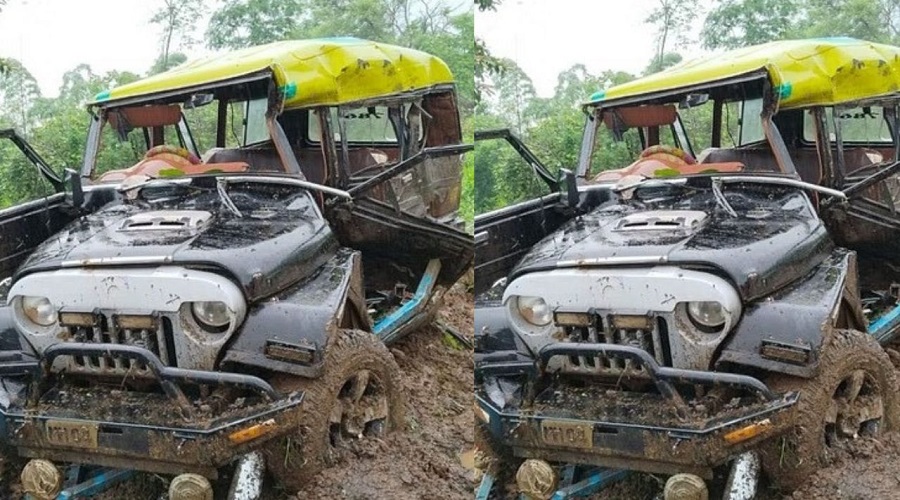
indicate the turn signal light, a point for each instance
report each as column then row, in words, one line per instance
column 748, row 432
column 252, row 432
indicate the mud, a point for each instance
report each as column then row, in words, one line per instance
column 868, row 469
column 430, row 459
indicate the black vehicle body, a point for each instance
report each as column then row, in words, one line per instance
column 145, row 386
column 791, row 236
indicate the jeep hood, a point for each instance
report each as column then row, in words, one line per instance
column 758, row 254
column 275, row 242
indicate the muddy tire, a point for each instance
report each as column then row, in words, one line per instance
column 357, row 396
column 854, row 394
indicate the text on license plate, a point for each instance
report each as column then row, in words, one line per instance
column 567, row 434
column 72, row 434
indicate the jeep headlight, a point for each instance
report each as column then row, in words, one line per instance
column 709, row 315
column 214, row 315
column 39, row 310
column 534, row 310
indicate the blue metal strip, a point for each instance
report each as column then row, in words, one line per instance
column 597, row 479
column 393, row 320
column 103, row 479
column 567, row 476
column 885, row 323
column 484, row 489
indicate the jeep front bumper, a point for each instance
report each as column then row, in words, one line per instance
column 149, row 431
column 656, row 431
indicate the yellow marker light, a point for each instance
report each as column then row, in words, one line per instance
column 252, row 432
column 748, row 432
column 133, row 322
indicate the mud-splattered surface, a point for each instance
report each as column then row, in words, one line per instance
column 429, row 460
column 869, row 469
column 426, row 461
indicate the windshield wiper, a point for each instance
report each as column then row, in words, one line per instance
column 222, row 189
column 720, row 197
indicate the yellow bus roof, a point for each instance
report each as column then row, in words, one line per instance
column 822, row 71
column 323, row 71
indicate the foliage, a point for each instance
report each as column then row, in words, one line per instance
column 177, row 17
column 738, row 23
column 487, row 4
column 485, row 64
column 244, row 23
column 467, row 196
column 671, row 19
column 668, row 59
column 18, row 92
column 552, row 128
column 876, row 20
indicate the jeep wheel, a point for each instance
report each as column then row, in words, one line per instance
column 357, row 396
column 854, row 394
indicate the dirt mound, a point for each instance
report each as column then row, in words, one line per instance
column 867, row 470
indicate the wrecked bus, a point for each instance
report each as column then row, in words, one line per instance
column 220, row 278
column 730, row 298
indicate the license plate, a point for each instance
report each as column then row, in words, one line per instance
column 570, row 434
column 71, row 434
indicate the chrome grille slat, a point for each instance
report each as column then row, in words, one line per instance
column 602, row 331
column 106, row 331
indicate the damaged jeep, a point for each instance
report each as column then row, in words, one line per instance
column 728, row 299
column 214, row 290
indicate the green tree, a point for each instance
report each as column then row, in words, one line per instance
column 450, row 44
column 18, row 93
column 656, row 64
column 740, row 23
column 671, row 19
column 177, row 17
column 875, row 20
column 244, row 23
column 514, row 90
column 486, row 65
column 164, row 63
column 62, row 133
column 4, row 64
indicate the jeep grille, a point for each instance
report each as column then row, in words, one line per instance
column 158, row 340
column 653, row 339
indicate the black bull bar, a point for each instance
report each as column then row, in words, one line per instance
column 685, row 444
column 165, row 447
column 662, row 376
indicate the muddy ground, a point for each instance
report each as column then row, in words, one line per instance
column 430, row 460
column 869, row 469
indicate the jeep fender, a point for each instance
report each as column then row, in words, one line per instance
column 289, row 332
column 797, row 320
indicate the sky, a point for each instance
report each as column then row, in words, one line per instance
column 546, row 37
column 51, row 37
